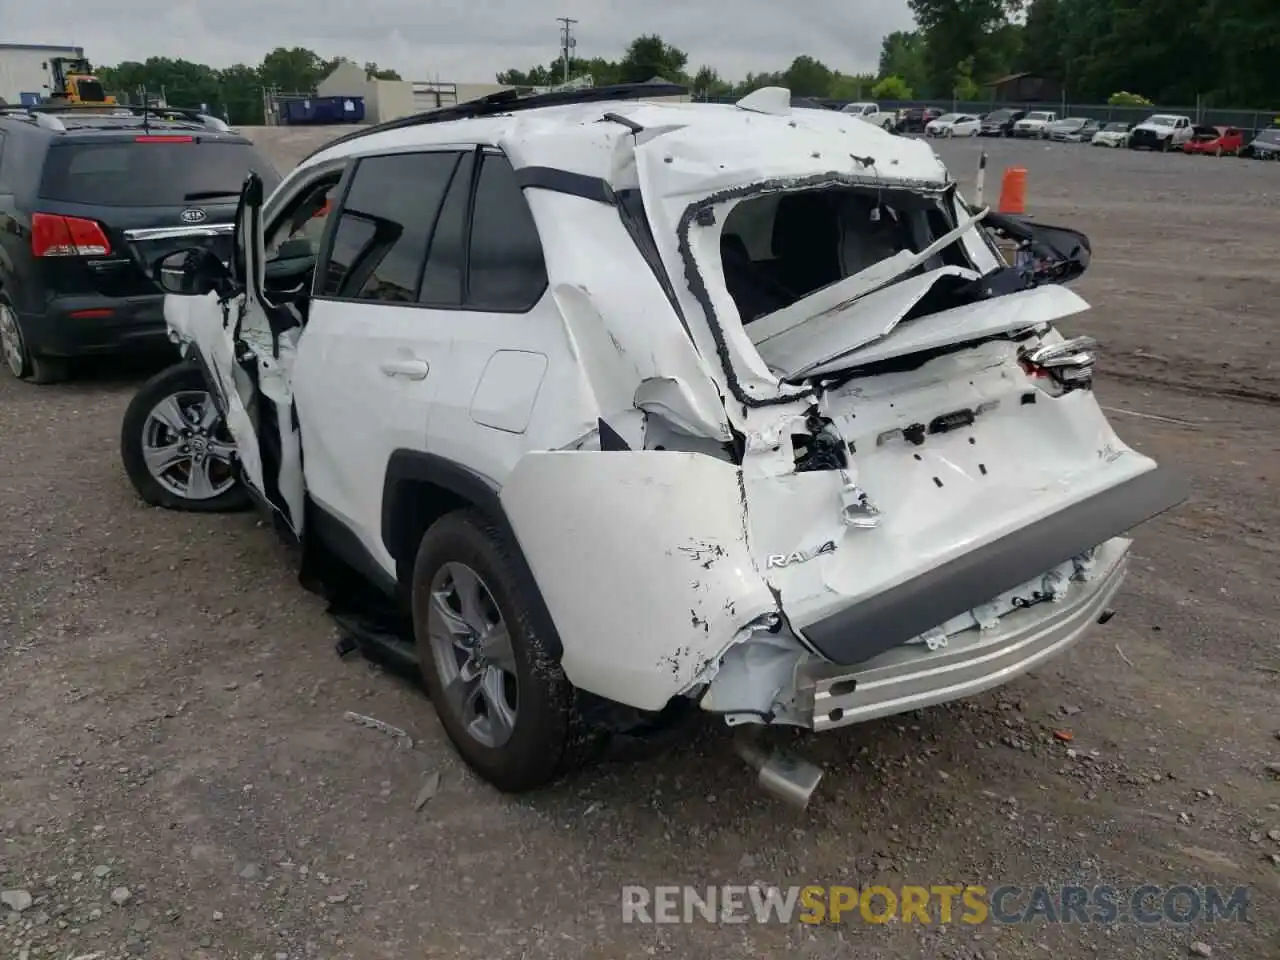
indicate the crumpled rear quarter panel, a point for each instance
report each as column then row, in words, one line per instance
column 643, row 562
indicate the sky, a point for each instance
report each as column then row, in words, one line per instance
column 466, row 41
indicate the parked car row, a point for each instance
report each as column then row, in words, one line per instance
column 1161, row 131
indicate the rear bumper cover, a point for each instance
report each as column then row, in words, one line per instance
column 912, row 677
column 889, row 619
column 134, row 324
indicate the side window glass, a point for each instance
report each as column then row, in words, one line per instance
column 505, row 269
column 298, row 231
column 386, row 219
column 447, row 257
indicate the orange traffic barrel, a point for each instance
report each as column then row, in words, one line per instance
column 1013, row 190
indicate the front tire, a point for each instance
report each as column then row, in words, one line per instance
column 496, row 683
column 176, row 448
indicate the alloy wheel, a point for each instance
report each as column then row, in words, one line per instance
column 471, row 647
column 11, row 346
column 187, row 447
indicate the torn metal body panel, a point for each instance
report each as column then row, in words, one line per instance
column 643, row 563
column 248, row 357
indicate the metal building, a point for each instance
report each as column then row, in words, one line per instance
column 22, row 72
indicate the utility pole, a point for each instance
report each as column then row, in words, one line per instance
column 567, row 42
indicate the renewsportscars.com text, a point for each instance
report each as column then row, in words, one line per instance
column 937, row 904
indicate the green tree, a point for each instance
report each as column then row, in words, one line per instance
column 966, row 88
column 601, row 71
column 850, row 86
column 1123, row 98
column 902, row 56
column 1042, row 40
column 648, row 57
column 892, row 88
column 955, row 30
column 807, row 77
column 241, row 94
column 294, row 69
column 183, row 83
column 374, row 72
column 708, row 83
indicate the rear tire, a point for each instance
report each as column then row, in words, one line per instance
column 520, row 728
column 17, row 359
column 142, row 433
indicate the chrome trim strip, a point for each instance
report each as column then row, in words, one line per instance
column 169, row 233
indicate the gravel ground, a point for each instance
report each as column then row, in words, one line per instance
column 177, row 778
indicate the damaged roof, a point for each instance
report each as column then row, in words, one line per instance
column 719, row 144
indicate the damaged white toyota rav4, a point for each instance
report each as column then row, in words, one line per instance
column 599, row 409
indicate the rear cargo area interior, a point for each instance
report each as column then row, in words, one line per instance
column 781, row 247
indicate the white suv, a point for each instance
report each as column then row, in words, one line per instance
column 1035, row 124
column 625, row 407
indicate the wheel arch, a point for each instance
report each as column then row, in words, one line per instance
column 418, row 489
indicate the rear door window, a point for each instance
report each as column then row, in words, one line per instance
column 506, row 271
column 158, row 170
column 447, row 259
column 386, row 220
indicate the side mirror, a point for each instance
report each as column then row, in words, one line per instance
column 193, row 272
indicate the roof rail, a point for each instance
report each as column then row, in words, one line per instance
column 133, row 109
column 40, row 119
column 509, row 101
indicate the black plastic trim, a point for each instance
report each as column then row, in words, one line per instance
column 564, row 181
column 407, row 470
column 889, row 619
column 343, row 543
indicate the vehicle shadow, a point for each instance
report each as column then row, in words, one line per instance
column 117, row 371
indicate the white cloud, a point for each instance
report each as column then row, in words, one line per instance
column 467, row 41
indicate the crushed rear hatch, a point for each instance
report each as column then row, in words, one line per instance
column 917, row 438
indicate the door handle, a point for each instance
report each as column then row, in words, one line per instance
column 407, row 368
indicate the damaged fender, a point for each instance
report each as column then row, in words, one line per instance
column 643, row 561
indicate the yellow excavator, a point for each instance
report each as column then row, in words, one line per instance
column 72, row 83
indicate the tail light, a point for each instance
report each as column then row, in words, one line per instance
column 1061, row 367
column 57, row 236
column 163, row 138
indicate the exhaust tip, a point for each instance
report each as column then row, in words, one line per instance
column 782, row 775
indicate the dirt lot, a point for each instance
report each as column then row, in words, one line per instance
column 172, row 706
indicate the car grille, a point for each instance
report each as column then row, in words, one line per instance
column 1144, row 137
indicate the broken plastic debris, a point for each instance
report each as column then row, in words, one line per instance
column 1066, row 736
column 1055, row 584
column 429, row 790
column 934, row 639
column 378, row 725
column 987, row 616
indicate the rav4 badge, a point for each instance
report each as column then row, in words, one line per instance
column 800, row 556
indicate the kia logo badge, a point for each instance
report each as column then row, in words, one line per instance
column 194, row 215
